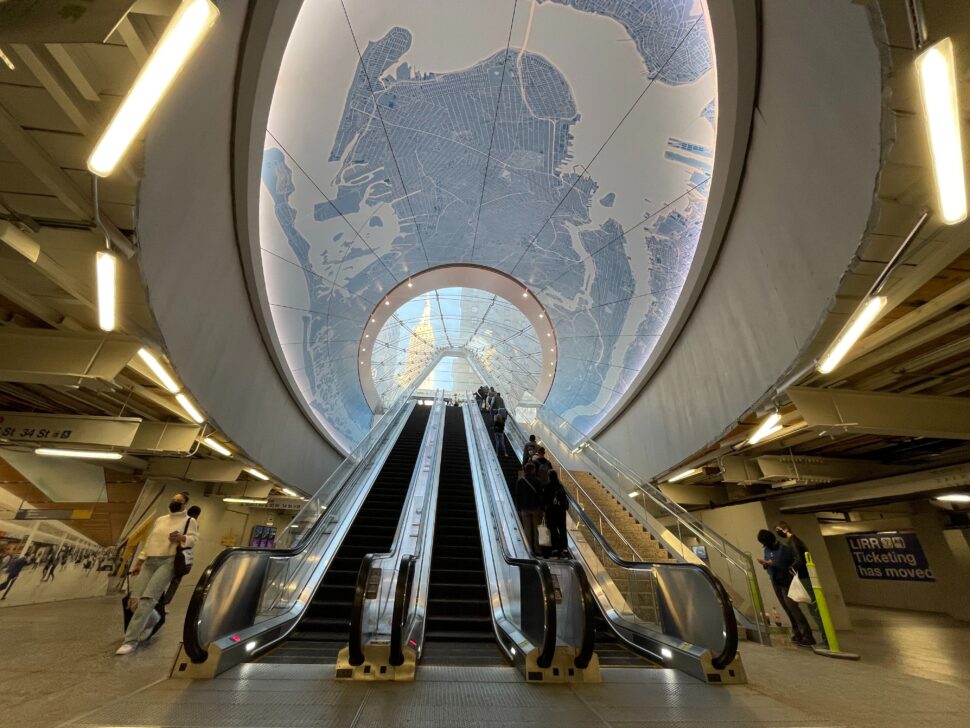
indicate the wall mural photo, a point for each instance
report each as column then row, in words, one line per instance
column 405, row 135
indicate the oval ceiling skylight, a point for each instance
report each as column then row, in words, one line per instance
column 501, row 346
column 565, row 143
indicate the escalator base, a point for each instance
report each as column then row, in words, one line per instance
column 303, row 652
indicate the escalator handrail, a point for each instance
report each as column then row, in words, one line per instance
column 726, row 655
column 405, row 579
column 548, row 649
column 590, row 609
column 355, row 646
column 190, row 632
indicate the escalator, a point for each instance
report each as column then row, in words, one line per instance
column 459, row 622
column 611, row 650
column 325, row 626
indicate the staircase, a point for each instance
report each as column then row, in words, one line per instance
column 642, row 541
column 325, row 627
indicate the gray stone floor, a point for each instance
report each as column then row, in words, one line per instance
column 60, row 670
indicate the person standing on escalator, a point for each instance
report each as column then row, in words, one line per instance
column 528, row 502
column 556, row 506
column 498, row 431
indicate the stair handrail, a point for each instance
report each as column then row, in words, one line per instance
column 540, row 566
column 340, row 484
column 554, row 421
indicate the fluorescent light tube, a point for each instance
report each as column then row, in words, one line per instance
column 158, row 370
column 251, row 501
column 768, row 427
column 633, row 493
column 954, row 498
column 290, row 493
column 86, row 454
column 256, row 473
column 189, row 23
column 217, row 446
column 684, row 474
column 19, row 241
column 861, row 320
column 941, row 108
column 190, row 408
column 107, row 266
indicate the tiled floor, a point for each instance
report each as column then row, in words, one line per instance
column 61, row 671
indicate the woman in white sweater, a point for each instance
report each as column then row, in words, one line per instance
column 155, row 567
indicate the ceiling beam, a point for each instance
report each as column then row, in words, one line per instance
column 881, row 413
column 78, row 109
column 39, row 163
column 66, row 57
column 903, row 344
column 9, row 290
column 896, row 487
column 946, row 300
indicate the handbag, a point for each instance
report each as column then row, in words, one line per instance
column 797, row 591
column 183, row 556
column 543, row 535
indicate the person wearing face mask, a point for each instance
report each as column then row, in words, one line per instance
column 155, row 566
column 798, row 547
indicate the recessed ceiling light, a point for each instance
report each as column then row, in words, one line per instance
column 386, row 302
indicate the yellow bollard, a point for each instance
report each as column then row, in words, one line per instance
column 823, row 610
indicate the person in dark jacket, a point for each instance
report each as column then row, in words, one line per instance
column 543, row 466
column 784, row 532
column 498, row 430
column 556, row 506
column 528, row 502
column 779, row 562
column 530, row 449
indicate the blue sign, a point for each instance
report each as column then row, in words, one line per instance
column 892, row 556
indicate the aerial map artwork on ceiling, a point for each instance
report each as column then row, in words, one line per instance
column 567, row 143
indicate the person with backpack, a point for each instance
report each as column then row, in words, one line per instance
column 557, row 504
column 155, row 567
column 498, row 431
column 528, row 502
column 530, row 449
column 543, row 466
column 779, row 562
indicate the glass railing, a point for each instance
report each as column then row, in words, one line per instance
column 252, row 596
column 676, row 529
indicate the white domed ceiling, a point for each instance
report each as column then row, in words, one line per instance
column 565, row 143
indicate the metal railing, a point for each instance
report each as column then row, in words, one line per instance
column 252, row 597
column 647, row 503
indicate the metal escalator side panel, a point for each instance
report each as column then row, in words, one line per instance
column 378, row 618
column 521, row 587
column 280, row 582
